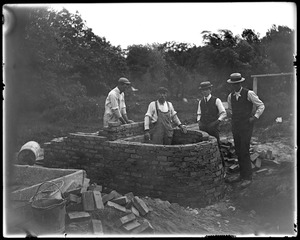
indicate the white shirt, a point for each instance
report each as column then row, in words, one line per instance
column 114, row 106
column 219, row 105
column 152, row 113
column 252, row 97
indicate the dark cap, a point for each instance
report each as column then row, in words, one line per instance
column 205, row 85
column 124, row 81
column 162, row 90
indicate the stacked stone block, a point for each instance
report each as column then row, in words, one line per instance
column 189, row 174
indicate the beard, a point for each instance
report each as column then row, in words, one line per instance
column 161, row 100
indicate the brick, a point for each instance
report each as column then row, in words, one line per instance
column 113, row 194
column 97, row 226
column 131, row 225
column 140, row 206
column 117, row 206
column 258, row 163
column 262, row 170
column 269, row 154
column 263, row 154
column 121, row 200
column 98, row 200
column 234, row 167
column 88, row 201
column 144, row 227
column 129, row 196
column 79, row 216
column 126, row 219
column 74, row 198
column 135, row 211
column 74, row 207
column 129, row 205
column 254, row 156
column 232, row 160
column 85, row 186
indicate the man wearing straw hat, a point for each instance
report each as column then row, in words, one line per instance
column 241, row 103
column 210, row 113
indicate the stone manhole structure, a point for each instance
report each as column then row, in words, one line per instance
column 188, row 172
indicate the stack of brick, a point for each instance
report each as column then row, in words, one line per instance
column 125, row 130
column 257, row 157
column 82, row 201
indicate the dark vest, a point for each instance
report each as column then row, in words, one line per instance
column 209, row 110
column 241, row 109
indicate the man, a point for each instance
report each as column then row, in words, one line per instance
column 161, row 115
column 210, row 113
column 115, row 108
column 241, row 103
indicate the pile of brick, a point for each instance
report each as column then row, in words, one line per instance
column 257, row 157
column 84, row 201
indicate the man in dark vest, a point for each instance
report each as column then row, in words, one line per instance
column 245, row 108
column 210, row 113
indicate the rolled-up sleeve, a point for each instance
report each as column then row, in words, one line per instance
column 174, row 115
column 122, row 104
column 260, row 106
column 199, row 111
column 221, row 109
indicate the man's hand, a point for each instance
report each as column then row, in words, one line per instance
column 147, row 136
column 130, row 121
column 183, row 128
column 252, row 119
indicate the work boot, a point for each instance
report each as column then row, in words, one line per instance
column 233, row 179
column 245, row 183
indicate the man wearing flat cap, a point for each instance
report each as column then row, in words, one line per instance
column 115, row 108
column 210, row 113
column 245, row 108
column 159, row 119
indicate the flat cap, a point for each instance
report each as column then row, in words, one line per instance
column 124, row 80
column 162, row 90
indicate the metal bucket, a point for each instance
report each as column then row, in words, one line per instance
column 49, row 210
column 28, row 153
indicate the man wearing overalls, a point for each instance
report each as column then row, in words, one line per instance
column 160, row 117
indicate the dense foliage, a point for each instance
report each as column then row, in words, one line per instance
column 63, row 67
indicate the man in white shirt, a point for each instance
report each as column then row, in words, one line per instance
column 115, row 108
column 241, row 103
column 159, row 119
column 210, row 113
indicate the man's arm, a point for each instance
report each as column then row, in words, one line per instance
column 176, row 119
column 222, row 111
column 199, row 112
column 260, row 107
column 229, row 105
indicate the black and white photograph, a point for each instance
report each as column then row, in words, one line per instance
column 162, row 119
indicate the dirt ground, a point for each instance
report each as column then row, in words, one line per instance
column 266, row 208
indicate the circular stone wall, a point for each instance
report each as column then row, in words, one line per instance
column 189, row 172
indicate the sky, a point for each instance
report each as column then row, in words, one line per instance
column 126, row 24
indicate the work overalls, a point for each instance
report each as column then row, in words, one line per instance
column 162, row 131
